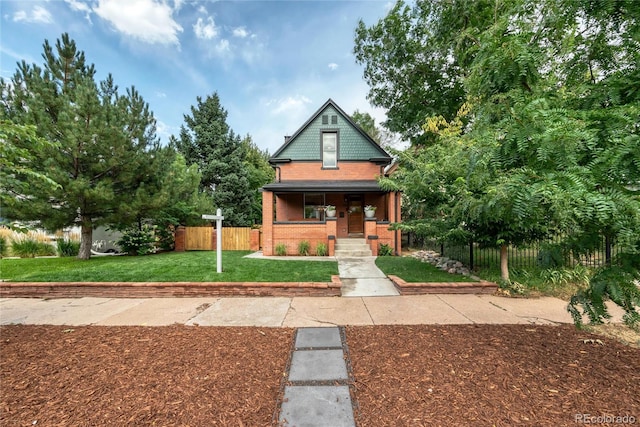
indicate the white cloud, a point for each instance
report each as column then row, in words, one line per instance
column 177, row 4
column 205, row 31
column 240, row 32
column 145, row 20
column 289, row 103
column 223, row 46
column 78, row 6
column 164, row 131
column 332, row 66
column 38, row 15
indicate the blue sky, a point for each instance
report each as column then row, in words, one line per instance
column 273, row 63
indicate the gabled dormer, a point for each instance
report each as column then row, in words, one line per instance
column 329, row 138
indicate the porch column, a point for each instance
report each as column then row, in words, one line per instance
column 371, row 234
column 331, row 229
column 267, row 223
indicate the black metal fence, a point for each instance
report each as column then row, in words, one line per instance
column 538, row 255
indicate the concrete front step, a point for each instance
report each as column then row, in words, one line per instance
column 352, row 248
column 348, row 253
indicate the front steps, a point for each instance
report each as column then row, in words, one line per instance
column 352, row 248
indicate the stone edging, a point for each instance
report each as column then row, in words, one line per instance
column 168, row 289
column 405, row 288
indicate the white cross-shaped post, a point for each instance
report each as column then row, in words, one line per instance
column 218, row 217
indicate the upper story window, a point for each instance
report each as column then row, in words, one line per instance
column 329, row 149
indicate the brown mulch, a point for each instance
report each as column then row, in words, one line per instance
column 176, row 375
column 404, row 375
column 496, row 375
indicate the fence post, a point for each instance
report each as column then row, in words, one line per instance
column 471, row 255
column 179, row 245
column 607, row 250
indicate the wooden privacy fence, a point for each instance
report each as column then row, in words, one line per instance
column 204, row 239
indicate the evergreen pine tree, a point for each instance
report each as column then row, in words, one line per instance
column 207, row 141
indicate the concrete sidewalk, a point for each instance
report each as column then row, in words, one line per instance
column 289, row 312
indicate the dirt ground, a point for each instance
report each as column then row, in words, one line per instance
column 404, row 375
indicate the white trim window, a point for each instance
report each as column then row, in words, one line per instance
column 329, row 149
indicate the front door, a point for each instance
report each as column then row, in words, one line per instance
column 356, row 219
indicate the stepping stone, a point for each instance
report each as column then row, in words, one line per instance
column 318, row 365
column 318, row 338
column 317, row 406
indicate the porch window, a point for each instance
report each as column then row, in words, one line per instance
column 329, row 149
column 314, row 206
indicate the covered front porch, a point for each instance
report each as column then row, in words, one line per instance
column 297, row 211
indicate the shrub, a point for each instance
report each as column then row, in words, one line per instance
column 138, row 241
column 67, row 246
column 281, row 249
column 385, row 250
column 321, row 249
column 578, row 275
column 3, row 246
column 31, row 244
column 166, row 237
column 28, row 247
column 304, row 247
column 552, row 255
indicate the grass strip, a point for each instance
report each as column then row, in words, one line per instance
column 166, row 267
column 412, row 270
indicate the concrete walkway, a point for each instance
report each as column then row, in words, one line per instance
column 317, row 390
column 361, row 277
column 289, row 312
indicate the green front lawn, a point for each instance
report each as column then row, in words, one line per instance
column 412, row 270
column 166, row 267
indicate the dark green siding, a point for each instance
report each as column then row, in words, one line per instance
column 352, row 145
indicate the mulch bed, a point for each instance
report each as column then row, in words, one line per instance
column 177, row 375
column 404, row 375
column 496, row 375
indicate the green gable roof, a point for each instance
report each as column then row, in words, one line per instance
column 353, row 143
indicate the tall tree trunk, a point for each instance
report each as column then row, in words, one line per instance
column 86, row 238
column 504, row 263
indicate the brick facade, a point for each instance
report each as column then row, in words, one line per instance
column 293, row 206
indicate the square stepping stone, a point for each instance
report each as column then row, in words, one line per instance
column 317, row 406
column 317, row 365
column 318, row 337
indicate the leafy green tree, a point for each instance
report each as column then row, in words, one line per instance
column 416, row 58
column 168, row 200
column 100, row 141
column 368, row 124
column 548, row 136
column 207, row 141
column 259, row 173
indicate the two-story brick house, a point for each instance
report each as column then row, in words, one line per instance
column 329, row 161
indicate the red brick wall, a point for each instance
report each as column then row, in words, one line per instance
column 292, row 234
column 267, row 223
column 255, row 239
column 313, row 170
column 180, row 239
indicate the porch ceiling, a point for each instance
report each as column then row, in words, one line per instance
column 357, row 186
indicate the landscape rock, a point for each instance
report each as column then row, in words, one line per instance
column 443, row 263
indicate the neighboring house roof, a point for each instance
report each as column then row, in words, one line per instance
column 354, row 144
column 327, row 186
